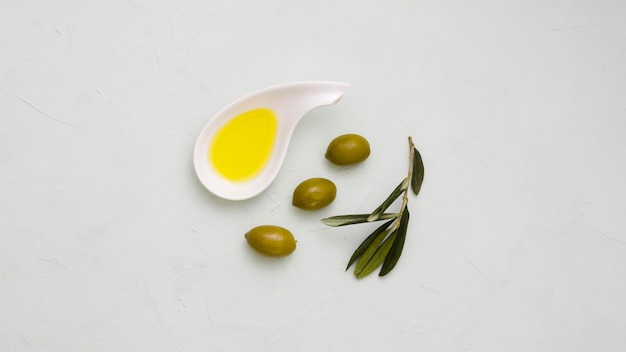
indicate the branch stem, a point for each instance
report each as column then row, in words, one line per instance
column 405, row 193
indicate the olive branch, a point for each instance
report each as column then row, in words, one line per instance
column 384, row 245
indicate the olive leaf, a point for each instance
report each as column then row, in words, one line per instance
column 396, row 250
column 377, row 258
column 397, row 192
column 342, row 220
column 368, row 242
column 417, row 172
column 369, row 252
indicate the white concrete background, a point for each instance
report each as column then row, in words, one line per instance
column 517, row 241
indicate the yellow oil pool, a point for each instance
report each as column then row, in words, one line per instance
column 243, row 146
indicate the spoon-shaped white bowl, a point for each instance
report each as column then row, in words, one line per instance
column 290, row 102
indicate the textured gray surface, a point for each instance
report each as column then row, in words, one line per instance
column 109, row 243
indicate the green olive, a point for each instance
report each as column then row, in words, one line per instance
column 348, row 149
column 314, row 193
column 273, row 241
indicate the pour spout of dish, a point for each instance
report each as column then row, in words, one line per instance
column 265, row 144
column 297, row 99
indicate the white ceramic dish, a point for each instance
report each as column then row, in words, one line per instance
column 290, row 102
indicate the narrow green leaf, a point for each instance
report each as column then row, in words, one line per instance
column 398, row 244
column 417, row 172
column 370, row 250
column 377, row 258
column 368, row 241
column 390, row 199
column 341, row 220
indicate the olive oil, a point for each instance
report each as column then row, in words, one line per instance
column 243, row 146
